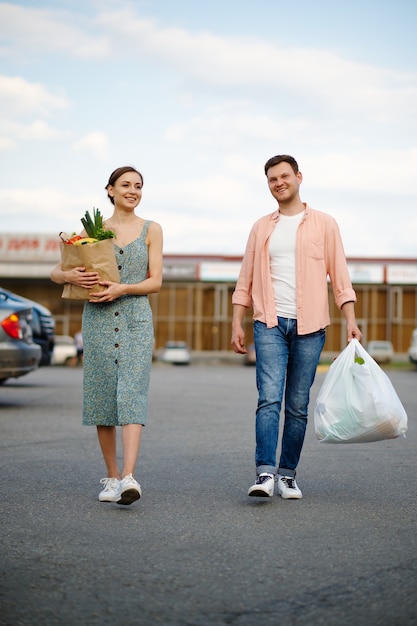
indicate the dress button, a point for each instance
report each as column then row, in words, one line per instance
column 117, row 313
column 119, row 267
column 116, row 330
column 115, row 360
column 116, row 345
column 120, row 251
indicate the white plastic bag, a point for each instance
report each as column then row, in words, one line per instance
column 357, row 402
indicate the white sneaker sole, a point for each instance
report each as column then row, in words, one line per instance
column 108, row 498
column 295, row 496
column 257, row 492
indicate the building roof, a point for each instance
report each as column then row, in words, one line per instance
column 32, row 255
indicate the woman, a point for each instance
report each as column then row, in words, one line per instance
column 118, row 335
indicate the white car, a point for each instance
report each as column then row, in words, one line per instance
column 176, row 352
column 65, row 350
column 412, row 350
column 381, row 351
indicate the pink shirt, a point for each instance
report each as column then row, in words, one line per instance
column 319, row 253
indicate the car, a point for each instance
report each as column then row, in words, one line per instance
column 176, row 352
column 19, row 355
column 43, row 325
column 250, row 356
column 412, row 350
column 65, row 350
column 381, row 351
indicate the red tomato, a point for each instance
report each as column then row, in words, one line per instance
column 74, row 238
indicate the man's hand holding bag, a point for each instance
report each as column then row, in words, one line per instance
column 357, row 402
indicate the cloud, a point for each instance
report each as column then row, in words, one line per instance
column 43, row 208
column 21, row 97
column 227, row 238
column 368, row 230
column 200, row 112
column 223, row 134
column 95, row 143
column 205, row 59
column 49, row 198
column 221, row 61
column 32, row 31
column 35, row 131
column 383, row 171
column 212, row 195
column 7, row 144
column 233, row 122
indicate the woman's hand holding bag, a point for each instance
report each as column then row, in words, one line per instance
column 357, row 402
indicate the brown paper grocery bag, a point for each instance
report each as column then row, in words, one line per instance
column 95, row 257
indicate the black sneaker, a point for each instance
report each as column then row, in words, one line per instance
column 263, row 487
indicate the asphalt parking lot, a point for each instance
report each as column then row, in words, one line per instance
column 195, row 550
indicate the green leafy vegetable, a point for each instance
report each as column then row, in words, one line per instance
column 94, row 226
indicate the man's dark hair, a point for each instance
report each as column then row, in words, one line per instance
column 281, row 158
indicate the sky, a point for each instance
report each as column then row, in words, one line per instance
column 198, row 95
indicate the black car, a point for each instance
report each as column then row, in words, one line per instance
column 43, row 325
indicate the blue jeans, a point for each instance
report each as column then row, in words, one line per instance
column 283, row 360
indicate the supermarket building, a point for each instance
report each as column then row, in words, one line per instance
column 194, row 304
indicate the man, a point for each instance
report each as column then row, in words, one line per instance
column 78, row 340
column 283, row 278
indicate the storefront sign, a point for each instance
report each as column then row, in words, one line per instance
column 29, row 248
column 227, row 271
column 179, row 271
column 402, row 274
column 366, row 273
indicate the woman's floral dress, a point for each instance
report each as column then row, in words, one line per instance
column 118, row 344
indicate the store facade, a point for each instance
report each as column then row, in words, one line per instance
column 194, row 304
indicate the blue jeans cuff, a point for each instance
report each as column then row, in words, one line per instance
column 268, row 469
column 286, row 472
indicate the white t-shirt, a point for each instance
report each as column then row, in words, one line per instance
column 282, row 264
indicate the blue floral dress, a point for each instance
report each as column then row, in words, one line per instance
column 118, row 344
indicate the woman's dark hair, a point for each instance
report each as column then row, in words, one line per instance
column 116, row 174
column 281, row 158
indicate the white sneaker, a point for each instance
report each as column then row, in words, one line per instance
column 263, row 487
column 288, row 488
column 111, row 491
column 129, row 490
